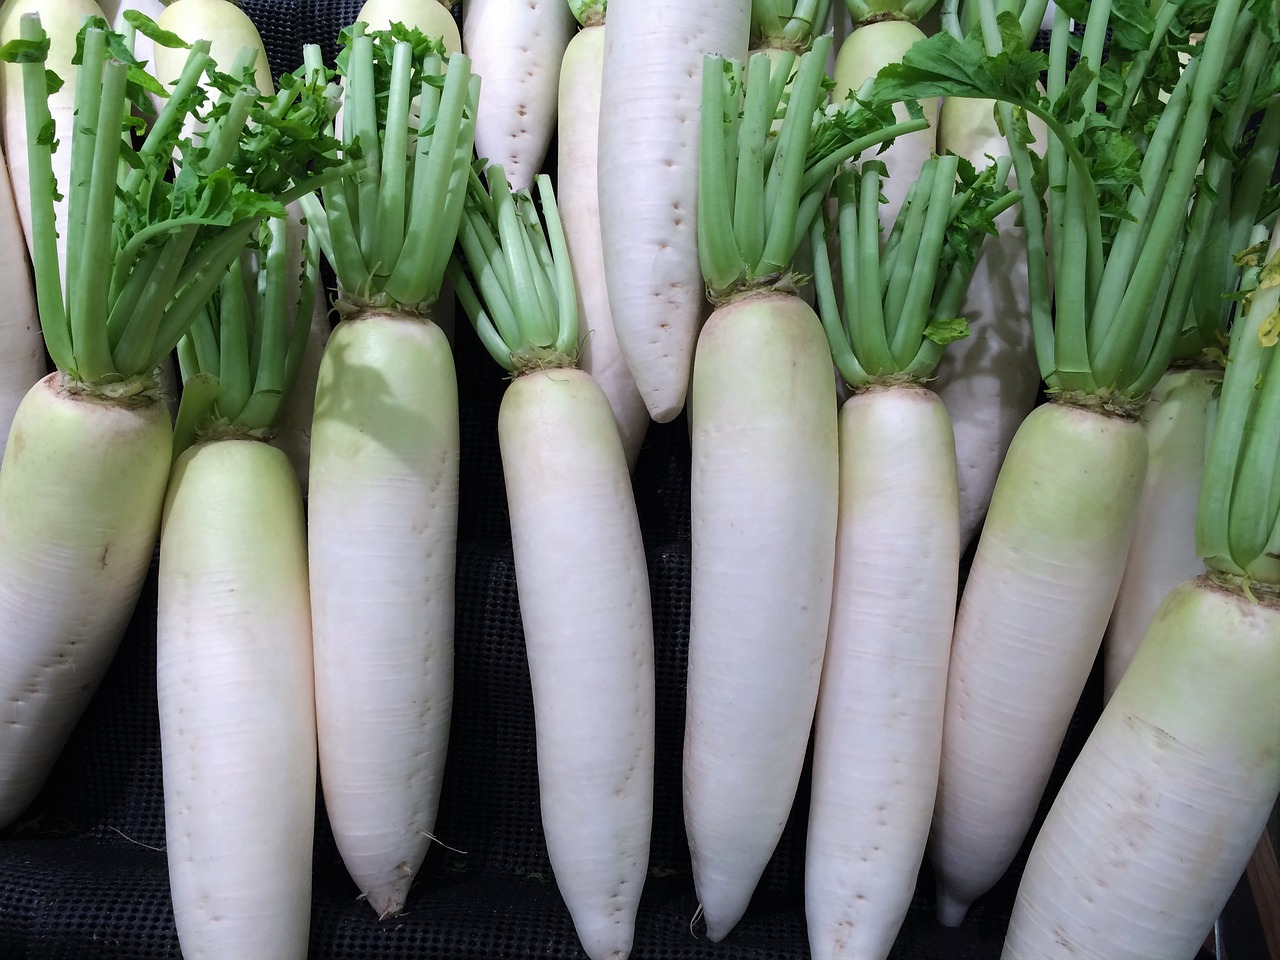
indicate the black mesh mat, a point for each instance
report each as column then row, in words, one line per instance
column 83, row 874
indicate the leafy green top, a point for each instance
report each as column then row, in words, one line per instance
column 409, row 112
column 514, row 278
column 1130, row 127
column 148, row 249
column 1238, row 518
column 901, row 301
column 761, row 184
column 241, row 356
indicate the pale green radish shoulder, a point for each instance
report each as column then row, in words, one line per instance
column 229, row 31
column 433, row 17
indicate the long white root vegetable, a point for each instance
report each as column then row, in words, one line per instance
column 878, row 731
column 764, row 480
column 1156, row 820
column 82, row 487
column 1163, row 551
column 383, row 477
column 579, row 559
column 879, row 724
column 648, row 169
column 1027, row 633
column 382, row 522
column 1161, row 810
column 237, row 714
column 765, row 467
column 577, row 153
column 76, row 544
column 584, row 606
column 517, row 47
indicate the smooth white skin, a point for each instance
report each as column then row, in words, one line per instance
column 61, row 22
column 588, row 629
column 989, row 380
column 237, row 717
column 382, row 526
column 225, row 26
column 81, row 489
column 878, row 730
column 577, row 194
column 1031, row 619
column 432, row 17
column 651, row 97
column 764, row 492
column 22, row 357
column 869, row 48
column 1163, row 552
column 1162, row 809
column 516, row 47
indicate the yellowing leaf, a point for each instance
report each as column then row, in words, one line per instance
column 1269, row 329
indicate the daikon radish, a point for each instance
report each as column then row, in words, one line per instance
column 383, row 479
column 648, row 181
column 577, row 153
column 516, row 47
column 764, row 481
column 1161, row 810
column 85, row 471
column 233, row 631
column 1046, row 569
column 580, row 565
column 878, row 729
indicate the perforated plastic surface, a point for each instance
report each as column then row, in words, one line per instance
column 83, row 874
